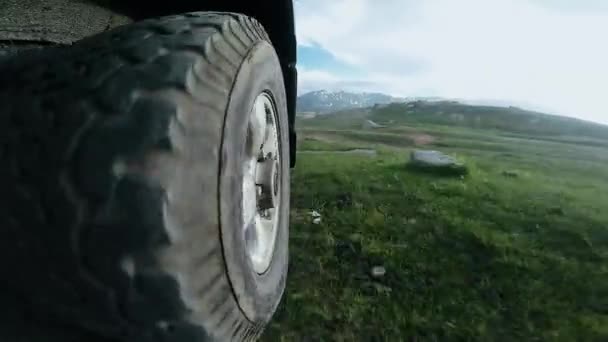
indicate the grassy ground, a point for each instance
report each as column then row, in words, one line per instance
column 515, row 251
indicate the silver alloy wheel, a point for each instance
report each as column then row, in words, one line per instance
column 261, row 183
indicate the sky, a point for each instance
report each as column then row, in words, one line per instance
column 548, row 55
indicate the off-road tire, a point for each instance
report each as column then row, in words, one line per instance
column 120, row 209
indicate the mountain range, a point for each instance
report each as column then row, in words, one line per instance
column 345, row 108
column 323, row 101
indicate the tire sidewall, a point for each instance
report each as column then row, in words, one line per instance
column 257, row 294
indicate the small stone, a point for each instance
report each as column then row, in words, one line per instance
column 128, row 266
column 378, row 272
column 369, row 124
column 412, row 221
column 316, row 217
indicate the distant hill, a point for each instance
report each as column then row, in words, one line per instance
column 452, row 113
column 510, row 119
column 323, row 101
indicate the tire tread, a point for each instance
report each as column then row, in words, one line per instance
column 78, row 88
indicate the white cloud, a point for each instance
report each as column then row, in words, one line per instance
column 309, row 80
column 315, row 79
column 524, row 51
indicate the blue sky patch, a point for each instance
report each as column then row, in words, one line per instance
column 317, row 58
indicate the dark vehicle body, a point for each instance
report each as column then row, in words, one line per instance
column 277, row 17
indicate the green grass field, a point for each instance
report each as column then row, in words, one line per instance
column 517, row 250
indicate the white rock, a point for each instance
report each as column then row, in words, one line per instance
column 436, row 160
column 378, row 271
column 369, row 124
column 432, row 158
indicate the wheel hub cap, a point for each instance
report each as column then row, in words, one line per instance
column 261, row 183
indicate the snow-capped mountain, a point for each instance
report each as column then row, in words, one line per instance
column 323, row 101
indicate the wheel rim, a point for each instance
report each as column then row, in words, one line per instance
column 261, row 183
